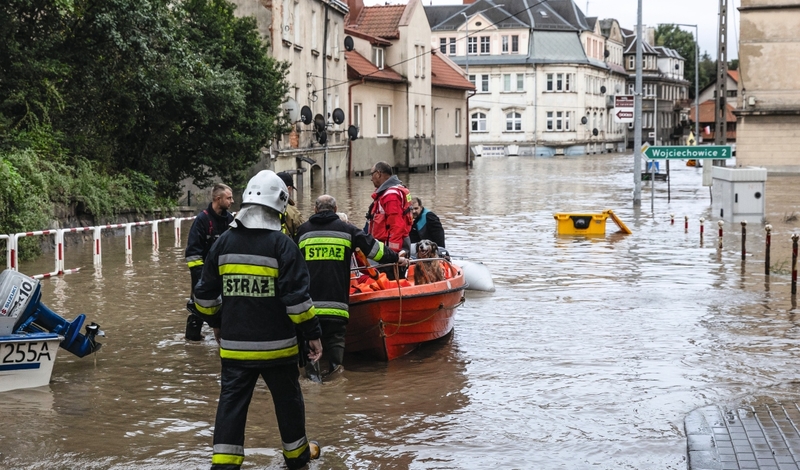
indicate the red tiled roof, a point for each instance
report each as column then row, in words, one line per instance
column 380, row 21
column 359, row 68
column 707, row 112
column 375, row 41
column 734, row 75
column 445, row 75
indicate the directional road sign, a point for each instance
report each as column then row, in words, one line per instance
column 690, row 152
column 623, row 108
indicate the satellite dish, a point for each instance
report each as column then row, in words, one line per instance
column 584, row 120
column 338, row 116
column 305, row 115
column 595, row 131
column 352, row 132
column 606, row 53
column 677, row 66
column 603, row 89
column 291, row 109
column 348, row 43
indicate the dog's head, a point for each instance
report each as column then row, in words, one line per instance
column 427, row 249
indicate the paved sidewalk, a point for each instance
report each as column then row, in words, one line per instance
column 762, row 437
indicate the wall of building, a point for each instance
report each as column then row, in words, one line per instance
column 769, row 140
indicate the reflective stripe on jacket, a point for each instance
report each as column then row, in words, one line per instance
column 255, row 288
column 327, row 244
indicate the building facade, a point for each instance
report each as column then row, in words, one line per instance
column 409, row 103
column 768, row 102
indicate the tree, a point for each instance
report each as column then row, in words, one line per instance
column 673, row 37
column 168, row 89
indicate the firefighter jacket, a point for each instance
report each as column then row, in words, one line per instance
column 390, row 213
column 255, row 289
column 327, row 244
column 207, row 227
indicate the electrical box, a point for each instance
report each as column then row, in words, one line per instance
column 738, row 193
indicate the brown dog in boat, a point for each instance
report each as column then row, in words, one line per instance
column 427, row 272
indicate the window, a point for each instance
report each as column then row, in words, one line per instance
column 377, row 57
column 472, row 45
column 485, row 45
column 504, row 45
column 296, row 23
column 443, row 45
column 559, row 121
column 422, row 120
column 356, row 117
column 314, row 45
column 520, row 82
column 458, row 122
column 384, row 120
column 478, row 122
column 419, row 61
column 513, row 122
column 549, row 82
column 484, row 82
column 631, row 62
column 515, row 44
column 506, row 82
column 452, row 46
column 559, row 81
column 416, row 121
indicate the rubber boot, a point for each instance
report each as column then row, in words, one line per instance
column 312, row 372
column 194, row 325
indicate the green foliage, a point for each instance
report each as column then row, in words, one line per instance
column 682, row 41
column 147, row 92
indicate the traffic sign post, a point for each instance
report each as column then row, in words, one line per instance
column 688, row 152
column 623, row 108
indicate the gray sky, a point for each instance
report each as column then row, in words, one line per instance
column 700, row 12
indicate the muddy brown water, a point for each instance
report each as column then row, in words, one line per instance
column 589, row 354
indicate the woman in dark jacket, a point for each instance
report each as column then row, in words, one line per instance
column 426, row 224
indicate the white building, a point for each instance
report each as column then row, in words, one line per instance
column 543, row 85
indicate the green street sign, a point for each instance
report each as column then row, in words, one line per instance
column 688, row 152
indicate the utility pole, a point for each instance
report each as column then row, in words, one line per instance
column 721, row 114
column 637, row 115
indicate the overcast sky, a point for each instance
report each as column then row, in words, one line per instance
column 700, row 12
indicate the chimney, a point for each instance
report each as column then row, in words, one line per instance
column 355, row 7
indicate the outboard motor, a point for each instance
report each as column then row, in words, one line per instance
column 22, row 312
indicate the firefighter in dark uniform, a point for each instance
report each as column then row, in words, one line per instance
column 327, row 244
column 254, row 294
column 207, row 227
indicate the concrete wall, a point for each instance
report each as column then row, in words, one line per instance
column 769, row 140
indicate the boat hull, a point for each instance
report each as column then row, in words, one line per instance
column 390, row 323
column 26, row 360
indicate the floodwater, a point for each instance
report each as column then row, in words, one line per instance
column 588, row 356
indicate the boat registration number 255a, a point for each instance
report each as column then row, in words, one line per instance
column 17, row 353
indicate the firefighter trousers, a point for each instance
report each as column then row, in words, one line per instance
column 234, row 400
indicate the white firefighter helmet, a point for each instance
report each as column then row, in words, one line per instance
column 263, row 201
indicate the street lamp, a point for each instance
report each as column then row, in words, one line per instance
column 696, row 78
column 466, row 20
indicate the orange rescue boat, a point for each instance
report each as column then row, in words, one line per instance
column 392, row 322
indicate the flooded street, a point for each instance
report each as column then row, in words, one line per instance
column 588, row 356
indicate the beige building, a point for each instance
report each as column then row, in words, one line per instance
column 310, row 36
column 408, row 103
column 768, row 105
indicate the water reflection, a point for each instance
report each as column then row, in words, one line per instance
column 588, row 355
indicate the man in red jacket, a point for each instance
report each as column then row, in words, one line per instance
column 389, row 214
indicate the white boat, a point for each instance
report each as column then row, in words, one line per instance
column 476, row 274
column 26, row 360
column 31, row 333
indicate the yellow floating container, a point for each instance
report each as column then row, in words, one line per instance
column 570, row 223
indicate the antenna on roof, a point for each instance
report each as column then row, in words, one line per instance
column 587, row 7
